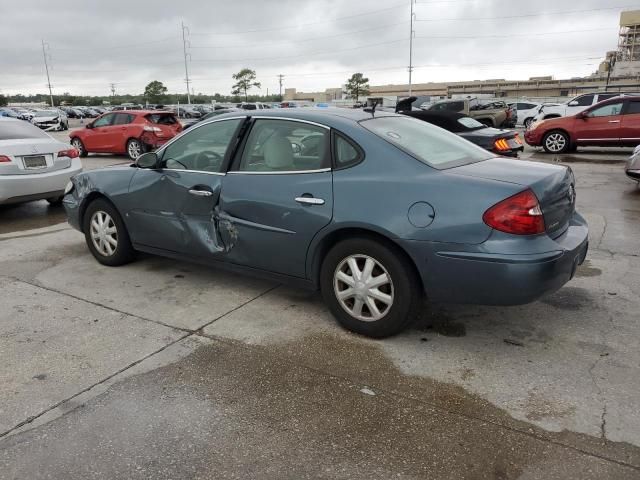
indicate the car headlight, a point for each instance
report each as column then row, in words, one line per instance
column 69, row 188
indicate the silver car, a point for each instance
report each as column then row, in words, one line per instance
column 33, row 165
column 50, row 120
column 632, row 168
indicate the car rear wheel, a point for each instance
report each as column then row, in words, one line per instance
column 135, row 148
column 106, row 234
column 369, row 287
column 556, row 142
column 527, row 123
column 78, row 145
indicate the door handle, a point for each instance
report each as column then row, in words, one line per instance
column 310, row 200
column 200, row 193
column 614, row 121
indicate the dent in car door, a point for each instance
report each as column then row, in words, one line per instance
column 275, row 201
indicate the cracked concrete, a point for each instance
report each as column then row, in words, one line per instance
column 193, row 373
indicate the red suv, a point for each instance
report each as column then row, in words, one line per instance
column 132, row 132
column 612, row 123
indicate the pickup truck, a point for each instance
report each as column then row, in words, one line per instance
column 575, row 105
column 493, row 113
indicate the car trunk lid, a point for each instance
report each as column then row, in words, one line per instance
column 554, row 185
column 31, row 156
column 167, row 124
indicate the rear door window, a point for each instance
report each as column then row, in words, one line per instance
column 123, row 119
column 585, row 100
column 633, row 108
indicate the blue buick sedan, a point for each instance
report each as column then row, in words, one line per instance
column 376, row 210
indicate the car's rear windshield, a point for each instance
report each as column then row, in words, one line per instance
column 12, row 130
column 162, row 118
column 429, row 144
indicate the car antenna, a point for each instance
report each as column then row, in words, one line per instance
column 372, row 110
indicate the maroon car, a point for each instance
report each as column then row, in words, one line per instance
column 611, row 123
column 130, row 132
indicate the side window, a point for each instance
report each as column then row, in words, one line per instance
column 104, row 121
column 607, row 96
column 633, row 108
column 455, row 106
column 525, row 106
column 607, row 110
column 123, row 119
column 285, row 145
column 345, row 153
column 203, row 148
column 585, row 100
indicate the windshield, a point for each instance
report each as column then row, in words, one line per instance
column 470, row 123
column 429, row 144
column 46, row 113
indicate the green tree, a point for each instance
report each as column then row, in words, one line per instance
column 3, row 101
column 155, row 92
column 357, row 85
column 245, row 80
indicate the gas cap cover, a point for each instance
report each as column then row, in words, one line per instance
column 421, row 214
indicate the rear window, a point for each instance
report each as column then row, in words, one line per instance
column 431, row 145
column 162, row 118
column 11, row 130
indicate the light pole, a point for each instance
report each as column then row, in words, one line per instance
column 411, row 34
column 186, row 70
column 46, row 67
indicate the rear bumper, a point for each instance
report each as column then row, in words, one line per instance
column 25, row 188
column 478, row 277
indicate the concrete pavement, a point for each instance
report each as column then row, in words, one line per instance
column 162, row 369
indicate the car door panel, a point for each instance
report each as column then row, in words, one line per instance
column 630, row 125
column 598, row 126
column 265, row 227
column 166, row 212
column 97, row 138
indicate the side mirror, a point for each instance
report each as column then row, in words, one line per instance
column 573, row 103
column 147, row 160
column 582, row 115
column 90, row 125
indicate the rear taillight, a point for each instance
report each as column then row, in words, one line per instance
column 501, row 145
column 149, row 128
column 519, row 215
column 518, row 139
column 71, row 153
column 4, row 159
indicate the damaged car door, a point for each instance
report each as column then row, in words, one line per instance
column 174, row 206
column 277, row 195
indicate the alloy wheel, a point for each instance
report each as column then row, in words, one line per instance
column 77, row 144
column 556, row 142
column 104, row 233
column 363, row 287
column 135, row 149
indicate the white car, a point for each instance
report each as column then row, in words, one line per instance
column 576, row 105
column 527, row 111
column 33, row 165
column 50, row 120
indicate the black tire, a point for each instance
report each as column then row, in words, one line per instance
column 78, row 145
column 527, row 123
column 55, row 200
column 405, row 286
column 135, row 145
column 123, row 251
column 556, row 141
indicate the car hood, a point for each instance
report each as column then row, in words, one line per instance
column 46, row 119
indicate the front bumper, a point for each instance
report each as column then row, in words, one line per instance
column 477, row 277
column 25, row 188
column 533, row 138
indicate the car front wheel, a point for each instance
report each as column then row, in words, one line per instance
column 371, row 288
column 106, row 234
column 556, row 142
column 78, row 145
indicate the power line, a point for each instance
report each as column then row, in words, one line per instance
column 510, row 35
column 525, row 15
column 298, row 25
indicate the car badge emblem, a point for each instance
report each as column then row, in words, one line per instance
column 34, row 149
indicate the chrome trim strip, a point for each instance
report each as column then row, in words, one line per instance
column 630, row 138
column 284, row 172
column 191, row 171
column 599, row 139
column 289, row 119
column 195, row 127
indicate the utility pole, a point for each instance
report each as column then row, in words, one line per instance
column 280, row 78
column 411, row 34
column 113, row 89
column 46, row 67
column 186, row 70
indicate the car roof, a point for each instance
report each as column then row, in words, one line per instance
column 317, row 114
column 139, row 112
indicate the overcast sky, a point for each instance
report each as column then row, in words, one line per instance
column 316, row 44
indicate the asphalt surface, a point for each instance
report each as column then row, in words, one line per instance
column 162, row 369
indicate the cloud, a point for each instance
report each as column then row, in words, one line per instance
column 316, row 44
